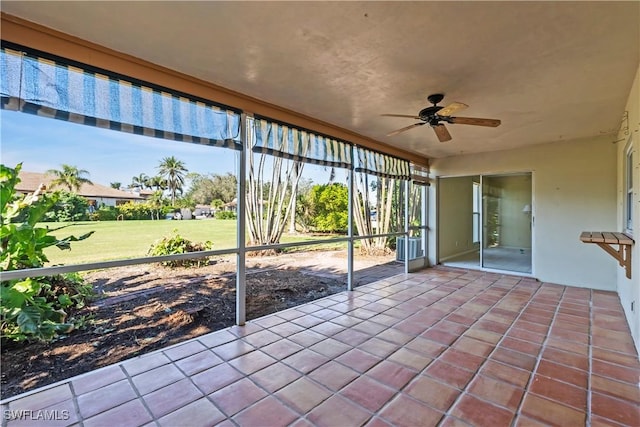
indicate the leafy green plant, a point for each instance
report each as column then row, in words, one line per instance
column 324, row 208
column 33, row 307
column 104, row 213
column 70, row 207
column 225, row 215
column 176, row 244
column 132, row 210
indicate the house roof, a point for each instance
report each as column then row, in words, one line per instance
column 30, row 181
column 551, row 71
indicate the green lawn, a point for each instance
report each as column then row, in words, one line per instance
column 132, row 239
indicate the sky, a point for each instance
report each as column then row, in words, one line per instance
column 41, row 143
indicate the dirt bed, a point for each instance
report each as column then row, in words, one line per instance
column 144, row 308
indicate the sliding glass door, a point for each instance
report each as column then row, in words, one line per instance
column 507, row 222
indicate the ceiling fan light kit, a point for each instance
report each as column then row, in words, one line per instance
column 436, row 114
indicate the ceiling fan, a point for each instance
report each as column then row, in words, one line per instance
column 434, row 115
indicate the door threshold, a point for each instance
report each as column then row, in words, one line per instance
column 489, row 270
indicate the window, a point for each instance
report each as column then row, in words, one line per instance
column 476, row 212
column 628, row 189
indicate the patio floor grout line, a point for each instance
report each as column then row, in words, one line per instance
column 306, row 376
column 273, row 394
column 190, row 378
column 378, row 412
column 135, row 390
column 543, row 346
column 486, row 359
column 303, row 375
column 373, row 414
column 76, row 405
column 421, row 372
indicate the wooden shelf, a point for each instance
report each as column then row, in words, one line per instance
column 605, row 239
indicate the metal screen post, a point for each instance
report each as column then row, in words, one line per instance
column 406, row 226
column 241, row 288
column 350, row 226
column 424, row 222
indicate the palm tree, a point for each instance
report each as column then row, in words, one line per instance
column 158, row 182
column 70, row 177
column 116, row 185
column 174, row 171
column 141, row 181
column 156, row 202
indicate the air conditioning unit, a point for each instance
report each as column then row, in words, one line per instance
column 415, row 248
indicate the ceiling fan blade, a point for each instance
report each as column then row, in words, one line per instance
column 442, row 133
column 401, row 115
column 452, row 108
column 475, row 121
column 395, row 132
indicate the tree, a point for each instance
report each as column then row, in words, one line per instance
column 156, row 203
column 116, row 185
column 141, row 181
column 204, row 189
column 226, row 187
column 69, row 207
column 157, row 182
column 174, row 171
column 270, row 201
column 305, row 209
column 379, row 196
column 217, row 204
column 325, row 207
column 69, row 177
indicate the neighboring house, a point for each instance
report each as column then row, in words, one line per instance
column 98, row 195
column 232, row 206
column 203, row 211
column 141, row 194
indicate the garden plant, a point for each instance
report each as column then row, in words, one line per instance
column 34, row 307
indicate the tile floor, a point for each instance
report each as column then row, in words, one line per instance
column 447, row 347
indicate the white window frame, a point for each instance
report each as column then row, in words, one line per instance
column 477, row 207
column 628, row 179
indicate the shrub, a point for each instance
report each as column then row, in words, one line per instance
column 324, row 208
column 33, row 307
column 177, row 244
column 104, row 213
column 226, row 215
column 132, row 210
column 69, row 207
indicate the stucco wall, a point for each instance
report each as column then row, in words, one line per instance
column 629, row 289
column 574, row 189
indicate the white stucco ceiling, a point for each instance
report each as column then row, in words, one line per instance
column 549, row 70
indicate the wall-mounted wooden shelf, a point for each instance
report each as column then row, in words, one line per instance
column 605, row 239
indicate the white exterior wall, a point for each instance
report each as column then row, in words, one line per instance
column 574, row 190
column 629, row 289
column 104, row 201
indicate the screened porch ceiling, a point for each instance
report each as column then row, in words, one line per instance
column 549, row 71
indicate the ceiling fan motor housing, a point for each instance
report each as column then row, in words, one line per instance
column 428, row 113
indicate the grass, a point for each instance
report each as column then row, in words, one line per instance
column 131, row 239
